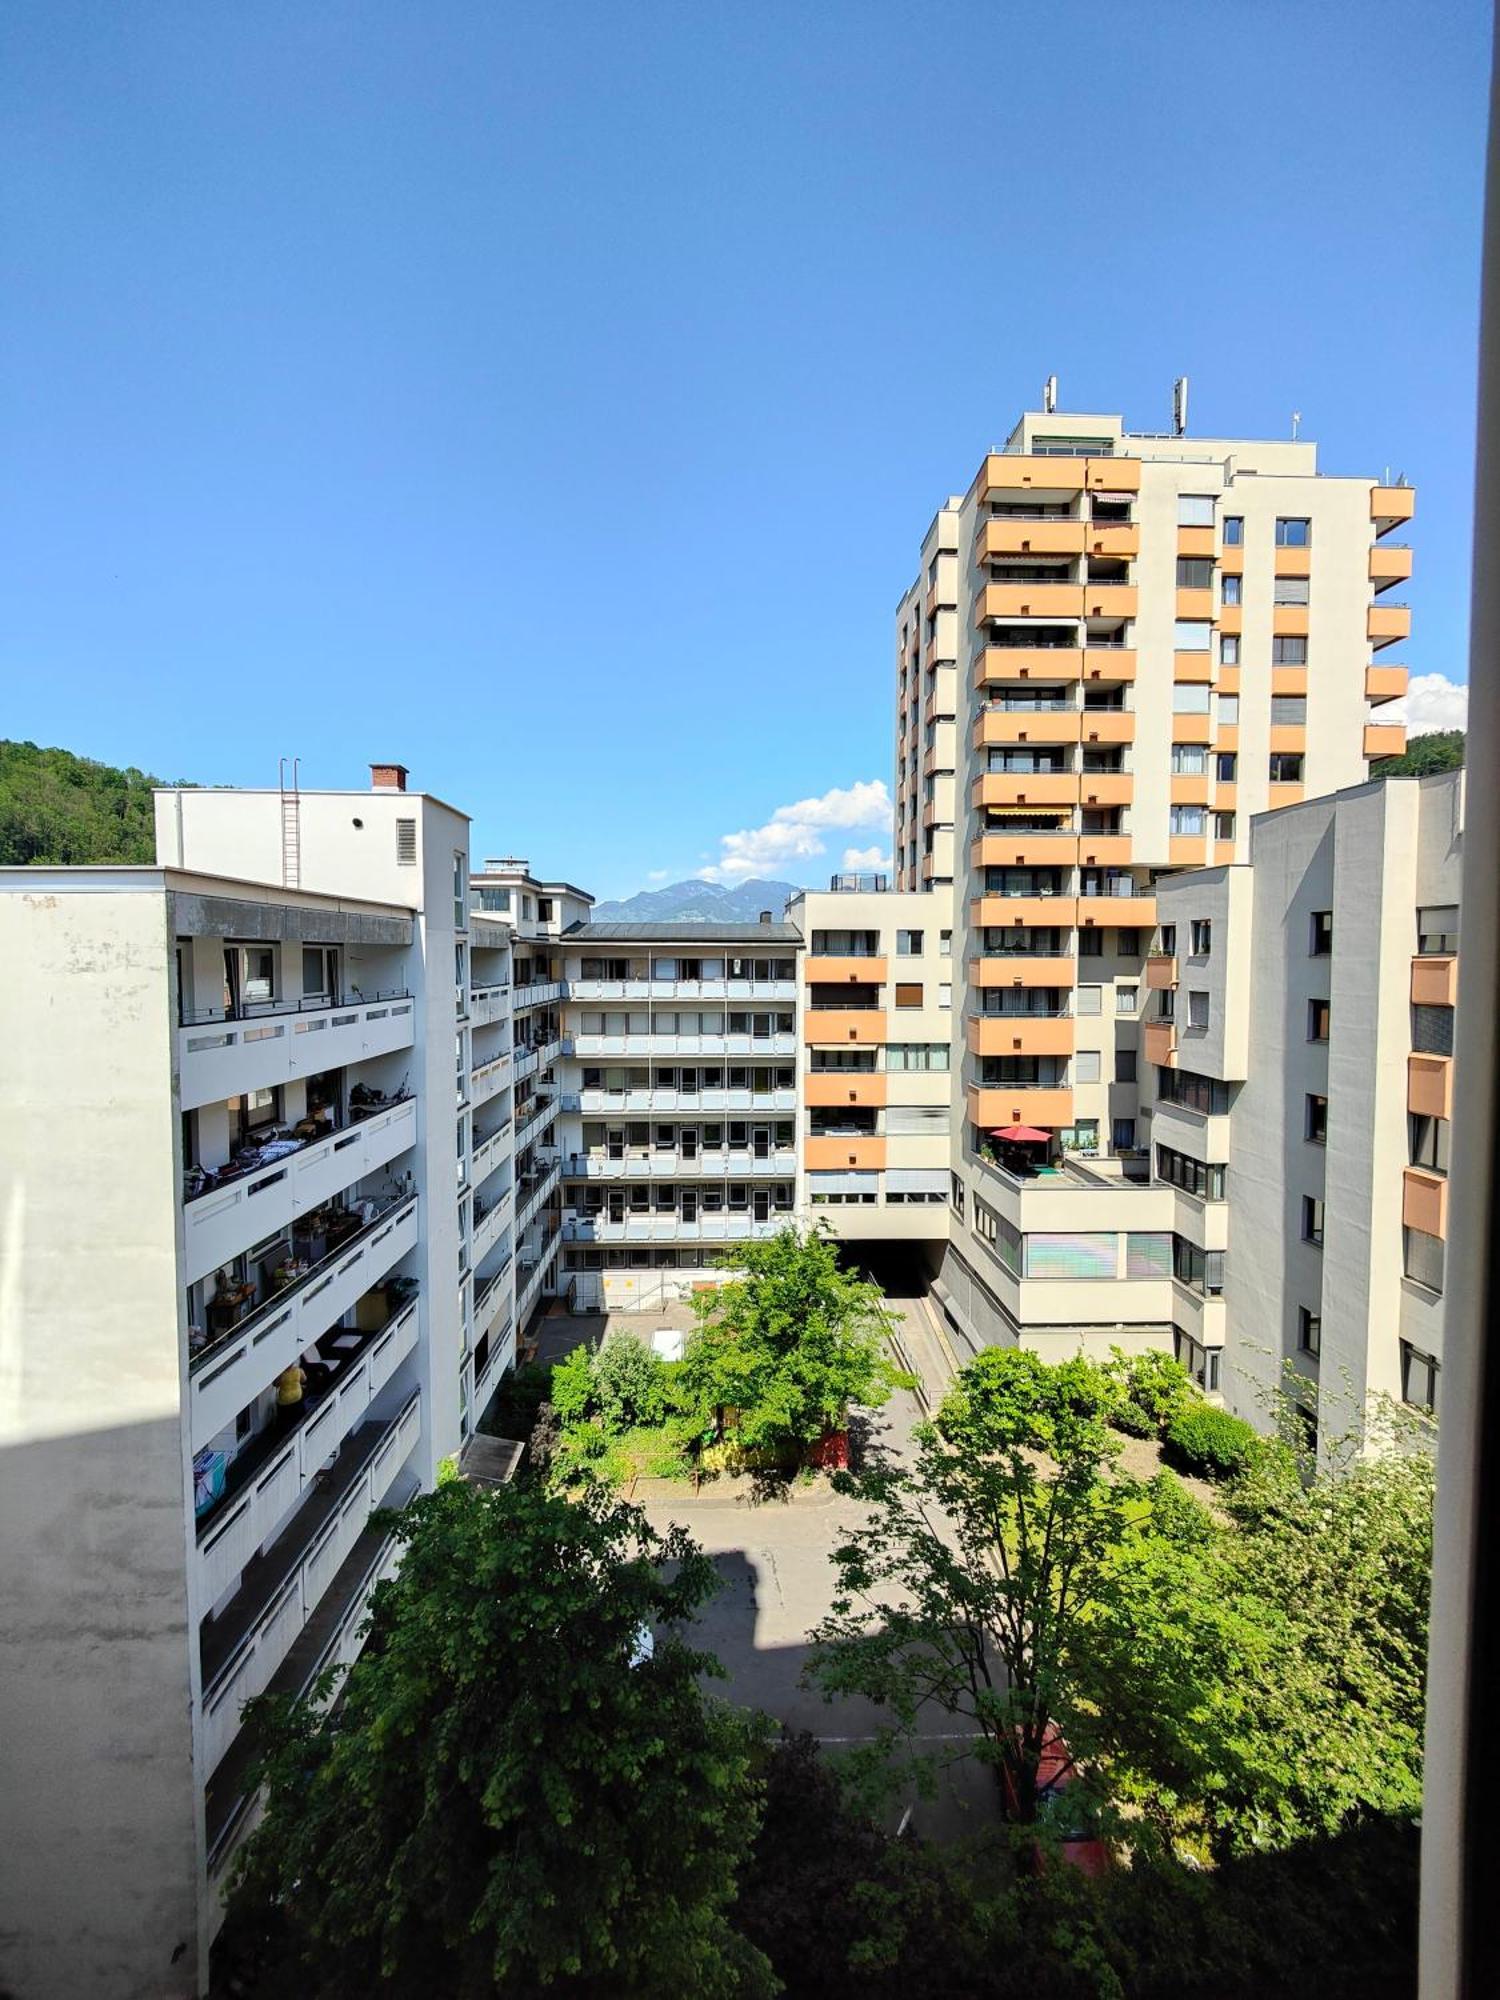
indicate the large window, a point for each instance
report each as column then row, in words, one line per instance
column 1293, row 533
column 1187, row 819
column 1070, row 1255
column 1195, row 510
column 1185, row 1087
column 1192, row 635
column 1192, row 1176
column 1291, row 590
column 1288, row 650
column 916, row 1055
column 1190, row 698
column 1189, row 760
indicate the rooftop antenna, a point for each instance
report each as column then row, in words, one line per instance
column 1179, row 405
column 1049, row 394
column 1296, row 420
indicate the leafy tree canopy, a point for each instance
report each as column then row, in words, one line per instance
column 510, row 1797
column 1439, row 750
column 67, row 810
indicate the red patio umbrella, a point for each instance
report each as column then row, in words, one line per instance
column 1022, row 1134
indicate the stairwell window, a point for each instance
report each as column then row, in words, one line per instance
column 1197, row 1008
column 1309, row 1331
column 1320, row 936
column 1317, row 1020
column 1312, row 1220
column 1202, row 937
column 1315, row 1119
column 1419, row 1377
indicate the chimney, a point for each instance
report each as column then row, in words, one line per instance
column 765, row 916
column 387, row 777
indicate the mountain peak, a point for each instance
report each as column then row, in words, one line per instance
column 698, row 902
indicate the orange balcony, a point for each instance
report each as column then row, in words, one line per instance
column 1008, row 969
column 1110, row 600
column 1195, row 604
column 1107, row 725
column 1434, row 980
column 825, row 1087
column 998, row 912
column 1192, row 729
column 831, row 1153
column 1385, row 683
column 1161, row 971
column 1159, row 1043
column 1387, row 623
column 1104, row 850
column 1384, row 739
column 1003, row 665
column 1289, row 620
column 1424, row 1201
column 1294, row 562
column 1195, row 667
column 999, row 537
column 1289, row 737
column 1429, row 1086
column 1000, row 726
column 1024, row 850
column 826, row 969
column 1187, row 850
column 1106, row 788
column 1113, row 475
column 1025, row 788
column 828, row 1027
column 998, row 1105
column 1289, row 680
column 1114, row 538
column 1109, row 663
column 1126, row 913
column 1390, row 562
column 1391, row 506
column 1005, row 475
column 1196, row 542
column 1283, row 795
column 1028, row 600
column 1190, row 791
column 1019, row 1035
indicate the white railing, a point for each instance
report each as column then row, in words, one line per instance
column 682, row 989
column 539, row 993
column 488, row 1077
column 224, row 1222
column 249, row 1520
column 659, row 1047
column 493, row 1300
column 531, row 1200
column 712, row 1162
column 784, row 1099
column 491, row 1151
column 532, row 1118
column 219, row 1059
column 489, row 1227
column 229, row 1375
column 669, row 1229
column 488, row 1003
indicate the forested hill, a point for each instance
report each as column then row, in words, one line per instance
column 1439, row 750
column 55, row 807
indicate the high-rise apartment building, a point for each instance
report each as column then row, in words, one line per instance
column 1119, row 648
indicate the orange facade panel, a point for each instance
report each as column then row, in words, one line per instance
column 1232, row 562
column 1121, row 539
column 1289, row 738
column 1227, row 736
column 1161, row 971
column 1223, row 853
column 1024, row 850
column 997, row 912
column 1113, row 475
column 1194, row 667
column 1424, row 1201
column 1283, row 795
column 1195, row 603
column 1192, row 729
column 835, row 1086
column 836, row 1027
column 1016, row 537
column 1110, row 600
column 1391, row 506
column 1434, row 980
column 1429, row 1086
column 1106, row 788
column 1025, row 788
column 1231, row 618
column 1006, row 474
column 996, row 1106
column 1187, row 850
column 1388, row 622
column 1159, row 1043
column 1028, row 600
column 1390, row 562
column 1196, row 542
column 1294, row 562
column 1014, row 969
column 829, row 1154
column 828, row 969
column 1019, row 1035
column 1385, row 683
column 1107, row 725
column 1227, row 680
column 1109, row 663
column 1104, row 850
column 1000, row 726
column 1190, row 791
column 1124, row 913
column 1006, row 665
column 1289, row 620
column 1384, row 739
column 1289, row 680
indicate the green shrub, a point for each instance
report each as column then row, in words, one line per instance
column 1210, row 1442
column 1155, row 1383
column 573, row 1387
column 629, row 1383
column 1132, row 1419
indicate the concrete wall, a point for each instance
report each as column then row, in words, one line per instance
column 97, row 1889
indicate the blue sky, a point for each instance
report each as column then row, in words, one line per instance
column 556, row 398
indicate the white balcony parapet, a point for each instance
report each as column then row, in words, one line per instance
column 660, row 1047
column 492, row 1224
column 784, row 990
column 224, row 1222
column 717, row 1228
column 684, row 1101
column 531, row 1199
column 492, row 1151
column 228, row 1375
column 492, row 1299
column 539, row 994
column 488, row 1077
column 230, row 1536
column 532, row 1119
column 711, row 1163
column 487, row 1004
column 219, row 1059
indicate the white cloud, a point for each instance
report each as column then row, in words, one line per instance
column 794, row 833
column 866, row 857
column 657, row 874
column 1431, row 701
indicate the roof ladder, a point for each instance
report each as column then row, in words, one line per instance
column 291, row 827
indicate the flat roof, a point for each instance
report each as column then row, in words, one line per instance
column 705, row 932
column 119, row 876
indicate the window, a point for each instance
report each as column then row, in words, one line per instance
column 1419, row 1377
column 916, row 1055
column 544, row 909
column 945, row 944
column 1203, row 937
column 1317, row 1020
column 320, row 972
column 1086, row 1066
column 1229, row 709
column 1309, row 1331
column 1186, row 819
column 1432, row 1031
column 1286, row 767
column 1292, row 533
column 1088, row 999
column 1208, row 1094
column 1148, row 1253
column 908, row 944
column 945, row 995
column 908, row 995
column 1320, row 940
column 1437, row 930
column 1289, row 711
column 1229, row 592
column 1429, row 1142
column 956, row 1196
column 1226, row 764
column 1197, row 1009
column 1122, row 1135
column 1168, row 939
column 1053, row 1254
column 1290, row 590
column 1312, row 1220
column 1423, row 1258
column 1124, row 1065
column 1197, row 1177
column 1288, row 651
column 1315, row 1119
column 1195, row 510
column 1189, row 760
column 1090, row 943
column 1192, row 635
column 1234, row 531
column 1189, row 698
column 1126, row 999
column 1203, row 1270
column 1229, row 649
column 1223, row 826
column 1194, row 573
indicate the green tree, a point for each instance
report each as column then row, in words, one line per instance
column 1438, row 750
column 512, row 1796
column 788, row 1347
column 62, row 809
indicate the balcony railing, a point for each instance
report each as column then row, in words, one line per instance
column 271, row 1010
column 219, row 1059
